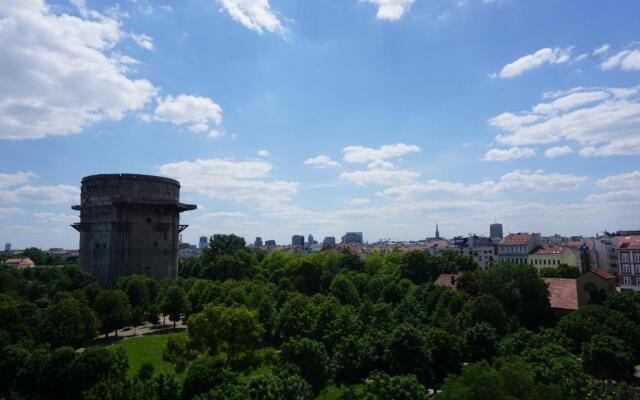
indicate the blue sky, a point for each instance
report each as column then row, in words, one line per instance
column 289, row 116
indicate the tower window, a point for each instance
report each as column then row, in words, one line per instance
column 148, row 220
column 155, row 244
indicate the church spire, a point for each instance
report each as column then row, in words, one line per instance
column 437, row 232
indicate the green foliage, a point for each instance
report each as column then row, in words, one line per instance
column 203, row 375
column 561, row 271
column 281, row 385
column 382, row 387
column 113, row 309
column 607, row 357
column 222, row 245
column 174, row 303
column 67, row 322
column 344, row 290
column 312, row 360
column 178, row 352
column 409, row 354
column 480, row 342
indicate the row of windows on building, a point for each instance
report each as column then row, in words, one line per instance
column 544, row 262
column 626, row 280
column 628, row 268
column 626, row 257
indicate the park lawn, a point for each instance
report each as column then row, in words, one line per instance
column 330, row 393
column 148, row 349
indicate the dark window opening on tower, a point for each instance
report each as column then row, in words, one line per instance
column 155, row 244
column 148, row 220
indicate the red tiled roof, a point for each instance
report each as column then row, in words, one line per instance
column 628, row 242
column 579, row 244
column 551, row 250
column 448, row 280
column 602, row 273
column 438, row 243
column 517, row 238
column 20, row 261
column 563, row 293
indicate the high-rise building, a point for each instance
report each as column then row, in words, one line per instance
column 297, row 240
column 352, row 238
column 329, row 241
column 270, row 243
column 311, row 241
column 7, row 247
column 258, row 242
column 204, row 241
column 129, row 224
column 495, row 231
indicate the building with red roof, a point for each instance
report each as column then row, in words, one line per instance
column 516, row 247
column 628, row 255
column 20, row 262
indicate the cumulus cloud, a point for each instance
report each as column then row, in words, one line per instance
column 627, row 60
column 196, row 112
column 49, row 67
column 8, row 180
column 321, row 161
column 6, row 212
column 380, row 172
column 623, row 187
column 254, row 14
column 391, row 10
column 600, row 50
column 535, row 60
column 14, row 190
column 225, row 215
column 360, row 154
column 512, row 153
column 263, row 153
column 605, row 121
column 557, row 151
column 142, row 40
column 240, row 181
column 360, row 201
column 54, row 218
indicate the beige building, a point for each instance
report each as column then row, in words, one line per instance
column 554, row 256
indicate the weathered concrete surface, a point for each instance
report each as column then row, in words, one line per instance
column 129, row 224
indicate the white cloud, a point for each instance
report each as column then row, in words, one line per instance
column 629, row 180
column 142, row 40
column 360, row 154
column 601, row 50
column 536, row 60
column 254, row 14
column 50, row 68
column 380, row 173
column 46, row 194
column 605, row 121
column 196, row 112
column 50, row 217
column 558, row 151
column 511, row 122
column 360, row 201
column 391, row 10
column 10, row 211
column 8, row 180
column 225, row 215
column 240, row 181
column 263, row 153
column 321, row 161
column 509, row 154
column 627, row 60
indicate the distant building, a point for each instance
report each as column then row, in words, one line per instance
column 515, row 248
column 628, row 252
column 481, row 249
column 495, row 231
column 437, row 247
column 310, row 240
column 270, row 243
column 258, row 242
column 437, row 236
column 554, row 256
column 204, row 241
column 20, row 263
column 7, row 247
column 606, row 257
column 329, row 241
column 352, row 238
column 297, row 240
column 566, row 295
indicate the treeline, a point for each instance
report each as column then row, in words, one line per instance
column 278, row 326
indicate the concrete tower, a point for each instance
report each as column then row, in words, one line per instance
column 129, row 224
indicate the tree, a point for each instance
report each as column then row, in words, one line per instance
column 296, row 317
column 607, row 357
column 93, row 364
column 404, row 387
column 146, row 371
column 446, row 353
column 416, row 267
column 178, row 352
column 232, row 329
column 67, row 322
column 312, row 360
column 408, row 353
column 485, row 308
column 220, row 245
column 480, row 342
column 279, row 385
column 204, row 375
column 113, row 309
column 174, row 304
column 344, row 290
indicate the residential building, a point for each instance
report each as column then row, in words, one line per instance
column 585, row 252
column 481, row 249
column 437, row 247
column 20, row 263
column 352, row 238
column 204, row 241
column 554, row 256
column 628, row 252
column 270, row 243
column 595, row 285
column 606, row 256
column 448, row 280
column 329, row 241
column 516, row 247
column 310, row 240
column 297, row 240
column 7, row 247
column 258, row 242
column 495, row 231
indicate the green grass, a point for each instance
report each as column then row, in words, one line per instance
column 330, row 393
column 148, row 349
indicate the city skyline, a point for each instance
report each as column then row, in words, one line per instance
column 377, row 117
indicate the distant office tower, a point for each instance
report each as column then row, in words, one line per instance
column 7, row 247
column 311, row 240
column 297, row 240
column 495, row 231
column 270, row 243
column 329, row 241
column 437, row 236
column 129, row 224
column 204, row 241
column 258, row 242
column 352, row 238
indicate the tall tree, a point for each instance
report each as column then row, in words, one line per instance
column 174, row 303
column 113, row 309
